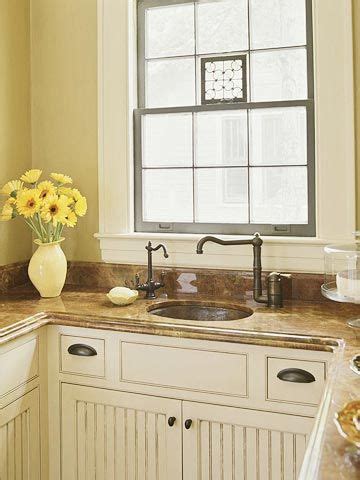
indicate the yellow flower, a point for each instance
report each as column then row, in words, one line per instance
column 28, row 202
column 12, row 187
column 69, row 192
column 46, row 189
column 80, row 206
column 31, row 176
column 80, row 203
column 55, row 209
column 8, row 211
column 60, row 178
column 71, row 220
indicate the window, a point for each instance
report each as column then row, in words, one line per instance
column 224, row 132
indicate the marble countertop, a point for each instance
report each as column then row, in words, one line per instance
column 320, row 326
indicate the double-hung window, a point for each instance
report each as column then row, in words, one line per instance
column 224, row 129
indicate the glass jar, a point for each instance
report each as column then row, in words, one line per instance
column 342, row 272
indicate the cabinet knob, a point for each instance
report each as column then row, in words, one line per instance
column 188, row 423
column 82, row 350
column 171, row 421
column 295, row 375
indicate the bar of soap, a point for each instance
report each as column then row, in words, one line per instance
column 348, row 283
column 122, row 295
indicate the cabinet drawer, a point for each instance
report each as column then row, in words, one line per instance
column 185, row 368
column 73, row 358
column 295, row 391
column 19, row 365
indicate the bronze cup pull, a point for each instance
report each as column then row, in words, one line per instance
column 295, row 375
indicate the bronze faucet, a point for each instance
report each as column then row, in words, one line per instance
column 274, row 297
column 150, row 286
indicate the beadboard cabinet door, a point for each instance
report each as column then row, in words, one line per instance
column 20, row 438
column 108, row 435
column 236, row 444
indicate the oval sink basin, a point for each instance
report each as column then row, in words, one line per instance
column 201, row 312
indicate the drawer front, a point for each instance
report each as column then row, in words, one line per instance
column 182, row 368
column 77, row 364
column 295, row 391
column 19, row 365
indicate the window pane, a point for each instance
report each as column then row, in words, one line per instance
column 170, row 31
column 167, row 140
column 278, row 136
column 221, row 195
column 279, row 75
column 221, row 138
column 278, row 195
column 277, row 23
column 222, row 26
column 167, row 195
column 170, row 83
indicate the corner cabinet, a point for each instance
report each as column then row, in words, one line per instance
column 21, row 442
column 114, row 435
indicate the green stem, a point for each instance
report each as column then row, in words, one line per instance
column 33, row 228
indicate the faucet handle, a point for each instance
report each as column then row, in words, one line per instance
column 137, row 280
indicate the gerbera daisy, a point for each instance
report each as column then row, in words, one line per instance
column 60, row 178
column 80, row 206
column 31, row 176
column 8, row 211
column 55, row 209
column 69, row 192
column 28, row 202
column 46, row 189
column 10, row 188
column 71, row 220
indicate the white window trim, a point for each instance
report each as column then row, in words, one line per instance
column 335, row 149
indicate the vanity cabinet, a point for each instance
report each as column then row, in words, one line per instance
column 108, row 435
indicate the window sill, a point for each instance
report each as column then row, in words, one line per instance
column 291, row 254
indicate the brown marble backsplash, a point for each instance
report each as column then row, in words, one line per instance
column 13, row 275
column 217, row 283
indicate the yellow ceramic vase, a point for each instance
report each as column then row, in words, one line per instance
column 48, row 268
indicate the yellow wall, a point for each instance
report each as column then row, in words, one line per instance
column 15, row 131
column 356, row 18
column 64, row 105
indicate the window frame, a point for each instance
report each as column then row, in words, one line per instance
column 292, row 230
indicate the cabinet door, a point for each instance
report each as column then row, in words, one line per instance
column 232, row 443
column 108, row 435
column 20, row 439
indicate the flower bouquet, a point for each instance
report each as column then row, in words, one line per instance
column 47, row 207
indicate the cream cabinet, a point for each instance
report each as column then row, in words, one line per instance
column 21, row 442
column 20, row 438
column 236, row 444
column 109, row 435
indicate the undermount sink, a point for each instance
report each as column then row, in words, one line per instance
column 202, row 312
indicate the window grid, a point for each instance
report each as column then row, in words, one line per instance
column 238, row 228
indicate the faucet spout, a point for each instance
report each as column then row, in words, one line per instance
column 256, row 242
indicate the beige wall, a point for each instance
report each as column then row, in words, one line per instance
column 15, row 132
column 64, row 105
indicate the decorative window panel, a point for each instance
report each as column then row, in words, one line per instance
column 223, row 79
column 224, row 132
